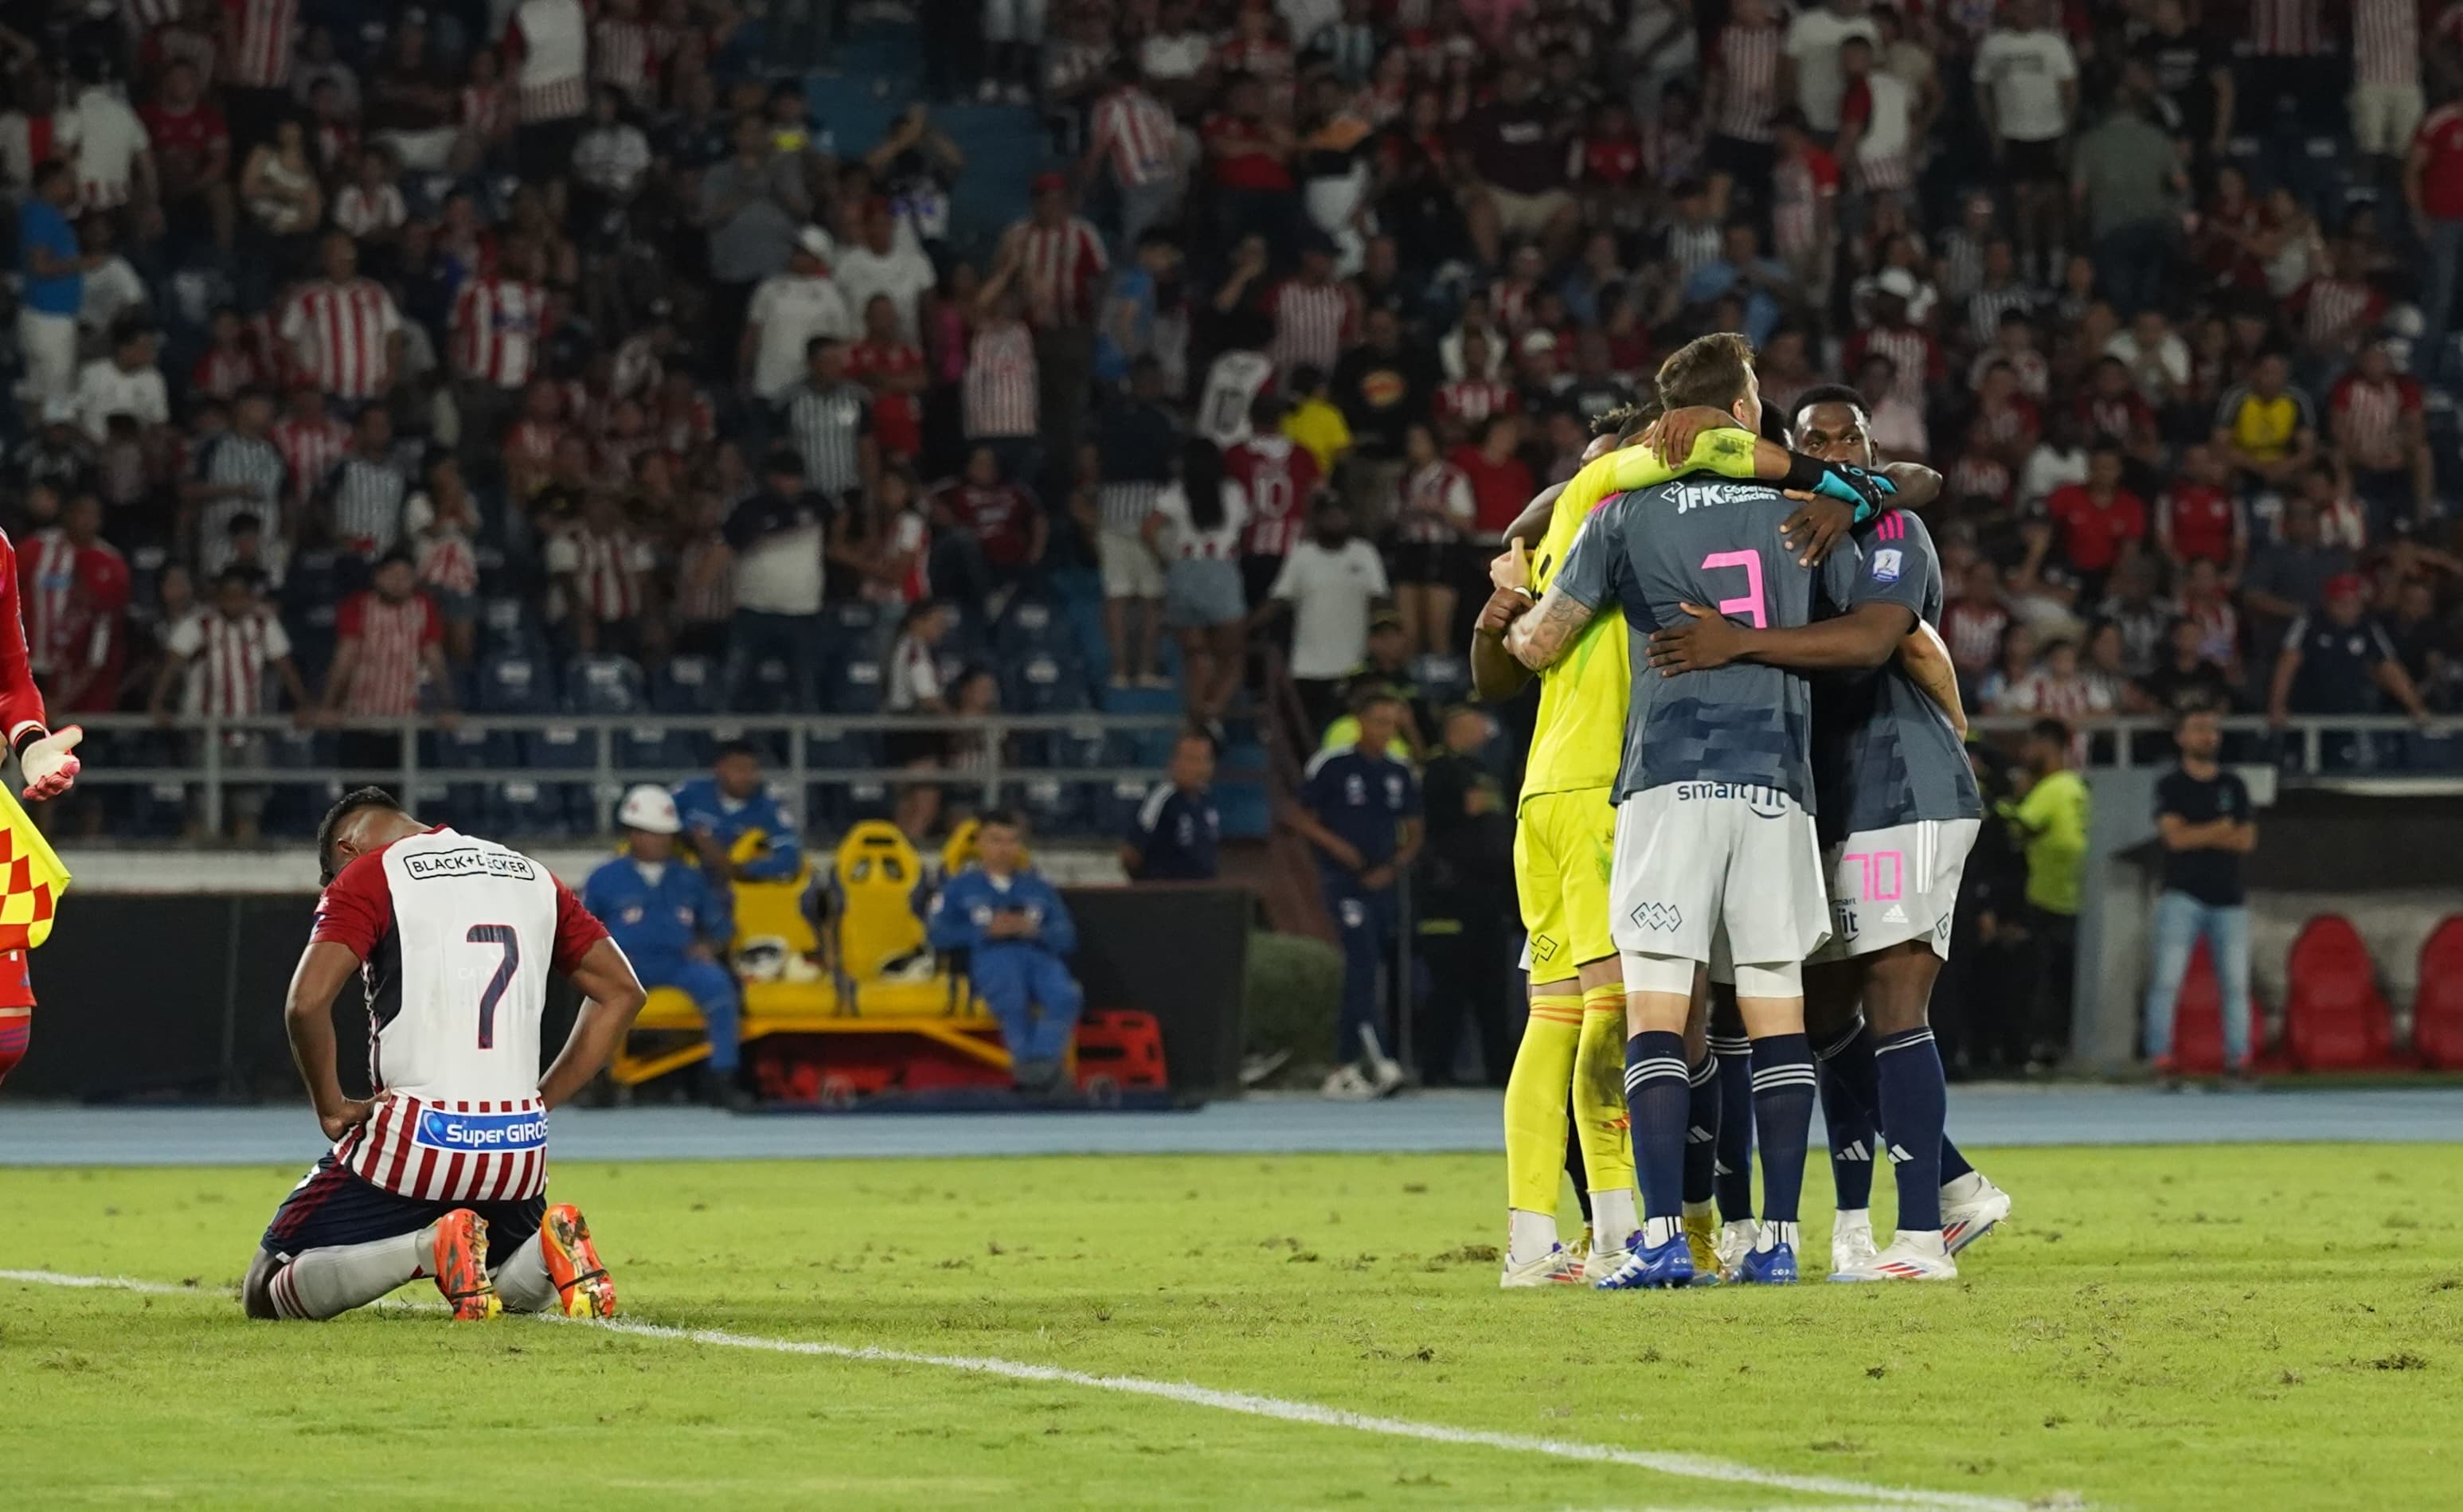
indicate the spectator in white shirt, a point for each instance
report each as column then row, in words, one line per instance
column 787, row 311
column 2026, row 89
column 1812, row 54
column 112, row 287
column 125, row 383
column 1328, row 584
column 885, row 263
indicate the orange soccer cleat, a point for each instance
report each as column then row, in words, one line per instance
column 583, row 1287
column 458, row 1259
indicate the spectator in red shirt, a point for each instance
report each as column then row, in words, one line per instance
column 192, row 145
column 2378, row 437
column 2433, row 185
column 1248, row 153
column 1500, row 483
column 892, row 367
column 994, row 531
column 2199, row 519
column 2099, row 518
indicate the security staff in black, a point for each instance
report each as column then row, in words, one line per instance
column 1464, row 897
column 2338, row 660
column 1172, row 836
column 1360, row 810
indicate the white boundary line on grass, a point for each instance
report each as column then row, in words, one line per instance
column 1692, row 1467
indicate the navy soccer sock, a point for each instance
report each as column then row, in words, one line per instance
column 1702, row 1132
column 1915, row 1102
column 1657, row 1096
column 1953, row 1165
column 1734, row 1151
column 1783, row 1079
column 1848, row 1102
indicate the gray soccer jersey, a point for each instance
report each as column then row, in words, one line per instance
column 1715, row 543
column 1883, row 754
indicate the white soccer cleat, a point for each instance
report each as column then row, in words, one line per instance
column 1737, row 1240
column 1558, row 1267
column 1970, row 1206
column 1910, row 1256
column 1851, row 1243
column 1599, row 1262
column 1384, row 1076
column 1345, row 1085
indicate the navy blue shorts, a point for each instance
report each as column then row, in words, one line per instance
column 337, row 1205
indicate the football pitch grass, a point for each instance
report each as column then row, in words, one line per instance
column 2156, row 1328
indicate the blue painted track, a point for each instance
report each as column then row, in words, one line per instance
column 1981, row 1117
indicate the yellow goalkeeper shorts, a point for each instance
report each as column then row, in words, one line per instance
column 1563, row 843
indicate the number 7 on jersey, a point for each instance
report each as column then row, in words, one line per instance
column 1751, row 605
column 500, row 934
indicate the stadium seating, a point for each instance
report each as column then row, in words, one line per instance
column 686, row 685
column 516, row 682
column 2437, row 1013
column 2335, row 1018
column 603, row 685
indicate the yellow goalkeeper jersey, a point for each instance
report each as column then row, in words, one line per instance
column 1578, row 739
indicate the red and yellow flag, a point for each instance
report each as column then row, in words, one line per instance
column 31, row 879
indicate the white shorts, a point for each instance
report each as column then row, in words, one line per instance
column 1701, row 865
column 1131, row 569
column 1887, row 886
column 2383, row 118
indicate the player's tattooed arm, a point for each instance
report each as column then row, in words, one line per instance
column 1866, row 635
column 1546, row 632
column 1928, row 664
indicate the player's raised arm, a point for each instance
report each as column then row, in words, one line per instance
column 1549, row 629
column 1496, row 675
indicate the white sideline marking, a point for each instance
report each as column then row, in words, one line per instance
column 1692, row 1467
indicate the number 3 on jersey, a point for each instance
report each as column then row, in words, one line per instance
column 1751, row 605
column 503, row 935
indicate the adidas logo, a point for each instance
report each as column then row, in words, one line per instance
column 1899, row 1154
column 1896, row 915
column 1853, row 1153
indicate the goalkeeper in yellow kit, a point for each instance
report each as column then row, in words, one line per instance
column 1576, row 1030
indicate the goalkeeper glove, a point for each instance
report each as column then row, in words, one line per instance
column 50, row 765
column 1868, row 493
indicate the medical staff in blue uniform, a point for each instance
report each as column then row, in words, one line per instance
column 671, row 924
column 738, row 830
column 1359, row 811
column 1019, row 933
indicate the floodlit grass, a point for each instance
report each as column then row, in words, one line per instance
column 2157, row 1328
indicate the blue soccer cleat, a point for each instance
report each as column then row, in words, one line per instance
column 1652, row 1266
column 1772, row 1264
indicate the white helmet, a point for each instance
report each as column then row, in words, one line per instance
column 648, row 809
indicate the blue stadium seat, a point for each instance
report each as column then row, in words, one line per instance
column 652, row 749
column 1053, row 807
column 520, row 807
column 1081, row 748
column 512, row 682
column 854, row 686
column 1042, row 684
column 603, row 685
column 688, row 685
column 853, row 628
column 1445, row 677
column 510, row 626
column 1110, row 805
column 564, row 748
column 1032, row 625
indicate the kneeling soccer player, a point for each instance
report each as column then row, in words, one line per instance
column 1899, row 808
column 443, row 1173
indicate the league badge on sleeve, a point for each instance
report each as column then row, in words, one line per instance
column 1886, row 565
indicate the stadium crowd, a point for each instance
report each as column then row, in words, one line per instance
column 362, row 348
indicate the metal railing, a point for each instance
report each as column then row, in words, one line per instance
column 2302, row 746
column 989, row 766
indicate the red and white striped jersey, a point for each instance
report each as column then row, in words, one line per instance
column 455, row 937
column 609, row 573
column 497, row 326
column 21, row 702
column 1437, row 504
column 224, row 371
column 621, row 58
column 1000, row 386
column 1979, row 476
column 1058, row 268
column 49, row 563
column 1800, row 187
column 2287, row 28
column 1469, row 402
column 393, row 639
column 309, row 449
column 2332, row 307
column 1973, row 629
column 338, row 332
column 549, row 44
column 446, row 563
column 2369, row 418
column 227, row 661
column 1137, row 136
column 1745, row 59
column 1312, row 322
column 1280, row 478
column 1918, row 358
column 2385, row 41
column 258, row 37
